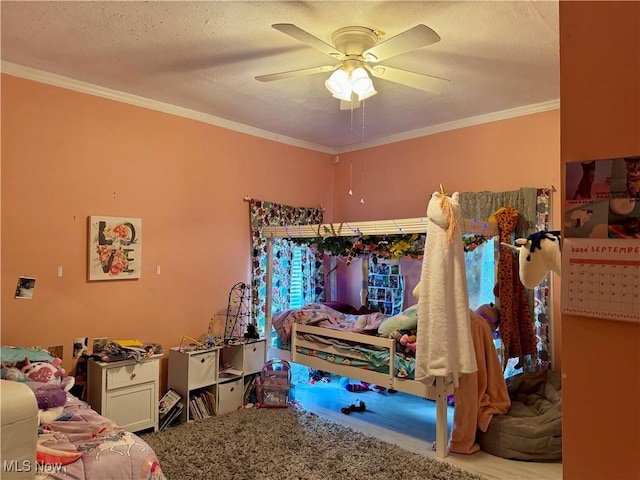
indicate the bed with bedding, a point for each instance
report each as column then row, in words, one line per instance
column 76, row 442
column 349, row 344
column 302, row 332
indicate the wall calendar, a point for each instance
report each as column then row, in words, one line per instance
column 601, row 278
column 601, row 239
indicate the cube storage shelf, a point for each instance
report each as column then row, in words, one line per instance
column 215, row 378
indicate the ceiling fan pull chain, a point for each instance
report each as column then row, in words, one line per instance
column 362, row 170
column 351, row 156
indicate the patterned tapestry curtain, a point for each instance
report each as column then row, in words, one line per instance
column 481, row 205
column 264, row 214
column 533, row 206
column 541, row 294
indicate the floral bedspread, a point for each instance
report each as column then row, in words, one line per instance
column 320, row 315
column 362, row 356
column 108, row 451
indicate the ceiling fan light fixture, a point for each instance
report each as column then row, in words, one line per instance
column 346, row 96
column 339, row 85
column 369, row 93
column 361, row 83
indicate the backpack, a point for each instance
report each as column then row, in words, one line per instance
column 273, row 385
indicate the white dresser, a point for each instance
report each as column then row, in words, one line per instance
column 126, row 392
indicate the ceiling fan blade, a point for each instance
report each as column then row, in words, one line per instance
column 305, row 37
column 416, row 37
column 411, row 79
column 296, row 73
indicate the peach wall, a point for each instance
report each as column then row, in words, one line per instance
column 399, row 177
column 600, row 118
column 498, row 156
column 67, row 155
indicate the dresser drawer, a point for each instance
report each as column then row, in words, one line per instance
column 253, row 357
column 134, row 374
column 203, row 368
column 133, row 408
column 230, row 396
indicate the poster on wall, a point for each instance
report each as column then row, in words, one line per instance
column 115, row 248
column 601, row 245
column 603, row 199
column 25, row 288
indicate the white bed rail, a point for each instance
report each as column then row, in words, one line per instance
column 438, row 391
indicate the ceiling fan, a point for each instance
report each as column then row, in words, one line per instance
column 358, row 50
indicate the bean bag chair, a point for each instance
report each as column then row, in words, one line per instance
column 532, row 428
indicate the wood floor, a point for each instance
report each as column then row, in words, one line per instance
column 409, row 422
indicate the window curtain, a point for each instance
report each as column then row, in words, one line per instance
column 541, row 294
column 533, row 206
column 481, row 205
column 263, row 214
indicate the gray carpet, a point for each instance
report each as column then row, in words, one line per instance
column 286, row 443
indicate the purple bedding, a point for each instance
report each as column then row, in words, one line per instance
column 108, row 451
column 320, row 315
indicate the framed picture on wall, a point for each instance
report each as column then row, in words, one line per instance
column 115, row 248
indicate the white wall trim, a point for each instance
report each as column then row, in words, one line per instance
column 62, row 81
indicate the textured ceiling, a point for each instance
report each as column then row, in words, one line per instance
column 204, row 56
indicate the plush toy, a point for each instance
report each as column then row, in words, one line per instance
column 490, row 313
column 408, row 341
column 45, row 372
column 51, row 400
column 14, row 374
column 535, row 266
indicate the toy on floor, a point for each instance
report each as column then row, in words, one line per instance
column 362, row 386
column 354, row 408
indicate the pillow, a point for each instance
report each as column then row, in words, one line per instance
column 406, row 320
column 18, row 354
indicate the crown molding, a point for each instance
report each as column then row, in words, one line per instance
column 466, row 122
column 62, row 81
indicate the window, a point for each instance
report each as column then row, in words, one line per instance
column 480, row 266
column 296, row 297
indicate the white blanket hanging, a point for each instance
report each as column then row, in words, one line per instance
column 444, row 341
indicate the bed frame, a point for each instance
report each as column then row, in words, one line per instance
column 438, row 392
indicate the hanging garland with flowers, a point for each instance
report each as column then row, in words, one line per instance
column 381, row 246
